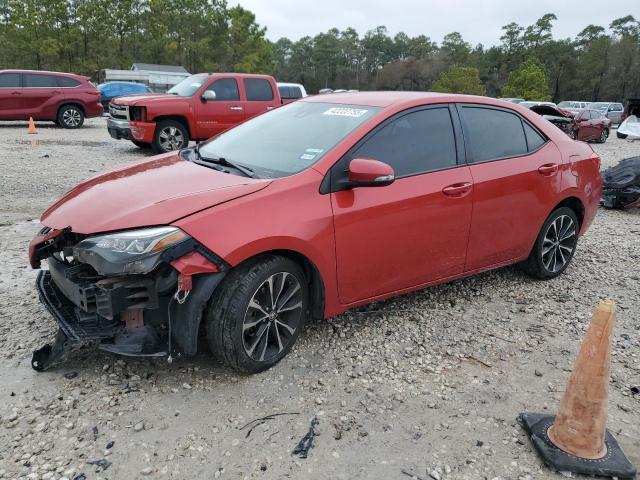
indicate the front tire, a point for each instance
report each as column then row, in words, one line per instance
column 141, row 144
column 257, row 313
column 170, row 135
column 555, row 245
column 70, row 117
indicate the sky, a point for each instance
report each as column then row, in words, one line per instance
column 478, row 21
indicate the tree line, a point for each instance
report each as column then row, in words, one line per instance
column 83, row 36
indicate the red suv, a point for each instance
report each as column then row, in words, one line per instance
column 322, row 205
column 64, row 98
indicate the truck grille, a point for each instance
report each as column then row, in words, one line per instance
column 121, row 112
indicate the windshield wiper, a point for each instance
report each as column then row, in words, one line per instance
column 225, row 162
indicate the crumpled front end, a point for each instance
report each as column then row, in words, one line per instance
column 136, row 292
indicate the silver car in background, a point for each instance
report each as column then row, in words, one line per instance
column 612, row 110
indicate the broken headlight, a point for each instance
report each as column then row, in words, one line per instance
column 129, row 251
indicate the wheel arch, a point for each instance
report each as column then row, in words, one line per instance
column 70, row 103
column 176, row 118
column 316, row 282
column 575, row 204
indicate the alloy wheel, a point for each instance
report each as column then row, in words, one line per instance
column 559, row 243
column 71, row 117
column 603, row 136
column 272, row 317
column 170, row 138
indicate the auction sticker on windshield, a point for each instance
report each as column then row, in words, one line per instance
column 345, row 112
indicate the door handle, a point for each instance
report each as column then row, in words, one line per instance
column 548, row 169
column 270, row 108
column 457, row 189
column 236, row 108
column 16, row 93
column 55, row 91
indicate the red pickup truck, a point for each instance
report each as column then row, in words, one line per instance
column 198, row 108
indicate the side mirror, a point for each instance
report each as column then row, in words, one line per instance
column 364, row 172
column 208, row 95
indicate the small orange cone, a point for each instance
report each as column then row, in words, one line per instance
column 576, row 440
column 32, row 126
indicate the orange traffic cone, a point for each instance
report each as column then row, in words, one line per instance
column 32, row 126
column 576, row 440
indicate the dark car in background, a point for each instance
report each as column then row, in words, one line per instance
column 111, row 90
column 64, row 98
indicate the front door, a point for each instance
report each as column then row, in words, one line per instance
column 215, row 116
column 516, row 179
column 11, row 105
column 415, row 230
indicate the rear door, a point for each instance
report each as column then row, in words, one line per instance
column 415, row 230
column 11, row 103
column 41, row 94
column 260, row 96
column 516, row 179
column 216, row 116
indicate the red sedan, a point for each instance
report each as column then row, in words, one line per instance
column 590, row 125
column 306, row 211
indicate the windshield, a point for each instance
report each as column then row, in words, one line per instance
column 288, row 139
column 599, row 105
column 188, row 86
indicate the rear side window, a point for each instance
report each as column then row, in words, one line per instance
column 417, row 142
column 10, row 80
column 40, row 81
column 67, row 82
column 226, row 89
column 534, row 139
column 290, row 92
column 258, row 90
column 493, row 134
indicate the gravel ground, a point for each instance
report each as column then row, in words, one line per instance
column 427, row 384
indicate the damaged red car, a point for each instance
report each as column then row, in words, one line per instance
column 314, row 208
column 586, row 124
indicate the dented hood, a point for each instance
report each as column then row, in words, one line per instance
column 152, row 192
column 147, row 98
column 548, row 110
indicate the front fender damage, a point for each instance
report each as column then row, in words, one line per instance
column 161, row 319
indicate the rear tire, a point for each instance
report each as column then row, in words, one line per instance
column 555, row 246
column 257, row 313
column 70, row 117
column 603, row 136
column 170, row 135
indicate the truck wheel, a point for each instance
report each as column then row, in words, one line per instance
column 555, row 245
column 170, row 135
column 141, row 144
column 257, row 313
column 70, row 116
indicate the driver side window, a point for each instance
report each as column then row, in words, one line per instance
column 226, row 90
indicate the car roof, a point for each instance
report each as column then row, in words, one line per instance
column 44, row 72
column 230, row 74
column 396, row 98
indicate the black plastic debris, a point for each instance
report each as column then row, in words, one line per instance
column 101, row 465
column 80, row 476
column 621, row 185
column 95, row 432
column 70, row 375
column 110, row 445
column 306, row 443
column 635, row 390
